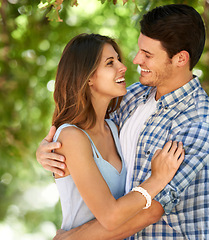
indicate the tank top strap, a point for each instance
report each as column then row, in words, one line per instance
column 94, row 149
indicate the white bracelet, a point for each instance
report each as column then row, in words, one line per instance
column 145, row 194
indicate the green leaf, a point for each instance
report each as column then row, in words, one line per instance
column 52, row 15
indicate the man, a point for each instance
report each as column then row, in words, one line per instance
column 167, row 104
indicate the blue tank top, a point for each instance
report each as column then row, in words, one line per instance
column 74, row 210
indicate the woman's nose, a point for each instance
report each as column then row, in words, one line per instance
column 122, row 68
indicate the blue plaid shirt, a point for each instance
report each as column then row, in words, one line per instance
column 182, row 115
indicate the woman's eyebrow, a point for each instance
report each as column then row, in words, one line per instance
column 111, row 58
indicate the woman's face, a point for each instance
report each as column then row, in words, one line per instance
column 109, row 78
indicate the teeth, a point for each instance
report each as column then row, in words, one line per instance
column 145, row 70
column 120, row 80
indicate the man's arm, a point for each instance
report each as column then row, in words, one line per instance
column 49, row 160
column 93, row 230
column 195, row 138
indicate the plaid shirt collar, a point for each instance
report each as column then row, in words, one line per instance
column 137, row 95
column 171, row 99
column 177, row 101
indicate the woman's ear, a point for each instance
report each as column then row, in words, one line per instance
column 90, row 82
column 182, row 58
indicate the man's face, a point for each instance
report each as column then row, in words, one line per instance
column 156, row 66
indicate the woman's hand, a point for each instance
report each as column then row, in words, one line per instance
column 166, row 162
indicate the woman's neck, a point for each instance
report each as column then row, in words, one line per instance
column 100, row 108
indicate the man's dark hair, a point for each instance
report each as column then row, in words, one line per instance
column 178, row 27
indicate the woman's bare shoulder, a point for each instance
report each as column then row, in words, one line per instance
column 72, row 134
column 75, row 146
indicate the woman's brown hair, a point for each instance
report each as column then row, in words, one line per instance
column 78, row 63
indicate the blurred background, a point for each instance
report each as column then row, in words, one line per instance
column 30, row 49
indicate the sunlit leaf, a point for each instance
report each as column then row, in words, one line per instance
column 74, row 3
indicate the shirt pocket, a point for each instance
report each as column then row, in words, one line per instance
column 156, row 139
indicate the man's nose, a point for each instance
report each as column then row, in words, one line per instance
column 138, row 59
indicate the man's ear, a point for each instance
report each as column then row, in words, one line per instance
column 181, row 59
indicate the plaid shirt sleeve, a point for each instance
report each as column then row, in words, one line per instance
column 195, row 140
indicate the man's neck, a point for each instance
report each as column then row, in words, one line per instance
column 173, row 84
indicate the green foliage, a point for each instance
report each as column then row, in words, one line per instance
column 141, row 6
column 30, row 50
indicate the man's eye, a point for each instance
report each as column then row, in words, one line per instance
column 147, row 56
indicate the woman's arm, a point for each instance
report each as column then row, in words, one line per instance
column 112, row 213
column 95, row 231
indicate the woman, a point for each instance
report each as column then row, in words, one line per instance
column 89, row 84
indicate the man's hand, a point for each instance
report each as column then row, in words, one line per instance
column 50, row 161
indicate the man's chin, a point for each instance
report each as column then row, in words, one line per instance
column 145, row 82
